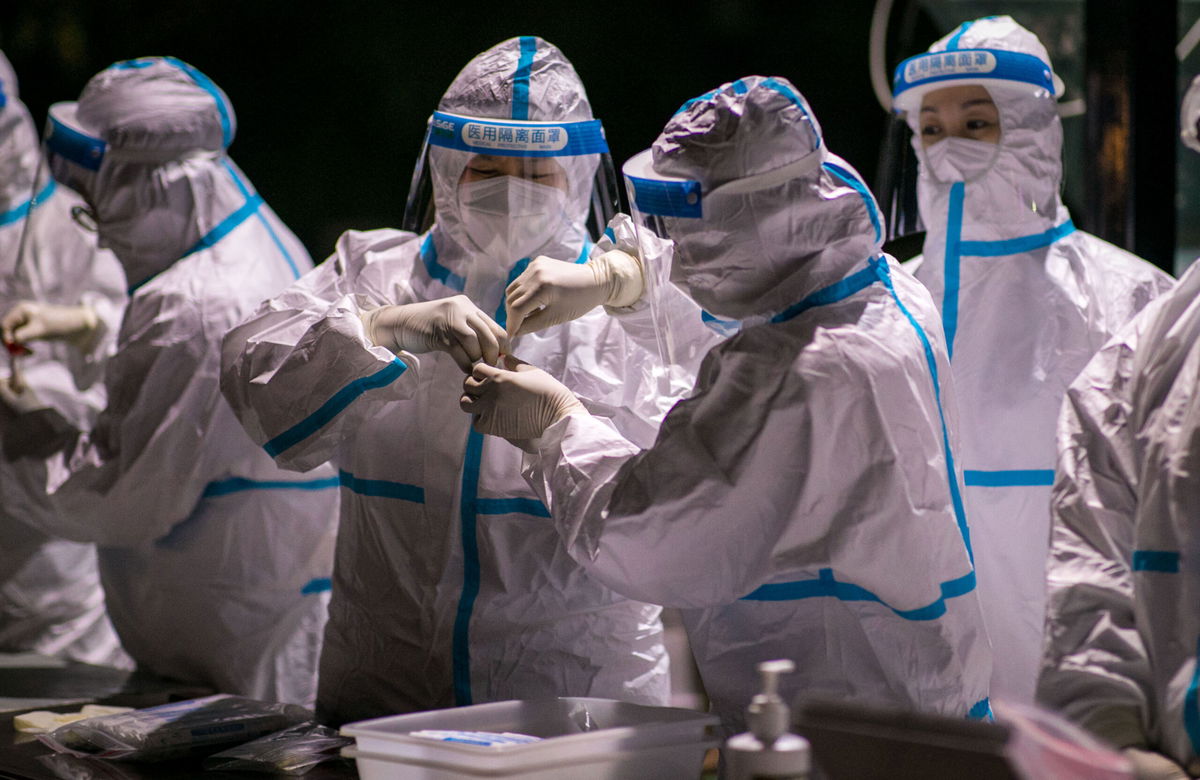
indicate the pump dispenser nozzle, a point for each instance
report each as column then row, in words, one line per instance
column 768, row 750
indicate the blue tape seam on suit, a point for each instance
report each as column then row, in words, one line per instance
column 22, row 210
column 1009, row 478
column 1164, row 561
column 336, row 403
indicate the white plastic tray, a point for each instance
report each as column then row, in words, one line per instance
column 589, row 738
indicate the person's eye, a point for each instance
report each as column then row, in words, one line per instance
column 930, row 130
column 978, row 124
column 481, row 171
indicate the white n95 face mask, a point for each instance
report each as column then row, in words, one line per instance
column 960, row 159
column 508, row 218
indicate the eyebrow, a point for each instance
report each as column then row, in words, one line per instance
column 965, row 105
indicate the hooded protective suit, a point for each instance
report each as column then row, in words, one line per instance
column 50, row 596
column 450, row 586
column 1026, row 299
column 215, row 562
column 1123, row 577
column 803, row 502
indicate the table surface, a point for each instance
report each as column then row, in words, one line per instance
column 33, row 682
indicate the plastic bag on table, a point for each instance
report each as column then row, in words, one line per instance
column 292, row 751
column 1044, row 744
column 180, row 729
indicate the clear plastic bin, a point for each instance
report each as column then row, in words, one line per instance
column 582, row 738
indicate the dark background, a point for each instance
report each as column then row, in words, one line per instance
column 331, row 98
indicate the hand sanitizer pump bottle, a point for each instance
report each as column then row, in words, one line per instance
column 767, row 750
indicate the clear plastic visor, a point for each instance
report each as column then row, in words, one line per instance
column 513, row 168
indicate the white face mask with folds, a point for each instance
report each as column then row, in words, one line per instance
column 509, row 218
column 960, row 159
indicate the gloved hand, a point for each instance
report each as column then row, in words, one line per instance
column 1148, row 765
column 516, row 402
column 19, row 400
column 33, row 320
column 550, row 291
column 453, row 325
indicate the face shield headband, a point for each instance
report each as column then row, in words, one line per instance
column 989, row 68
column 997, row 70
column 512, row 138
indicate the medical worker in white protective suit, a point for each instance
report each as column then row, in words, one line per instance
column 215, row 562
column 450, row 586
column 803, row 502
column 50, row 596
column 1026, row 299
column 1123, row 577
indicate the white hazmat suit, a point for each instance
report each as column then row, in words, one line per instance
column 1123, row 578
column 450, row 586
column 51, row 601
column 803, row 502
column 1026, row 299
column 215, row 562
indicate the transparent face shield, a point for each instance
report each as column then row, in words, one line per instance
column 970, row 116
column 658, row 203
column 516, row 187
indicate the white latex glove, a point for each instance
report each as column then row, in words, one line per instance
column 453, row 325
column 551, row 292
column 517, row 402
column 21, row 400
column 32, row 320
column 1148, row 765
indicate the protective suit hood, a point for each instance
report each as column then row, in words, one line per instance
column 18, row 146
column 524, row 79
column 1016, row 194
column 780, row 216
column 145, row 146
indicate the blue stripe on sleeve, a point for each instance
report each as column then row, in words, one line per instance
column 1009, row 478
column 1165, row 561
column 828, row 586
column 330, row 409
